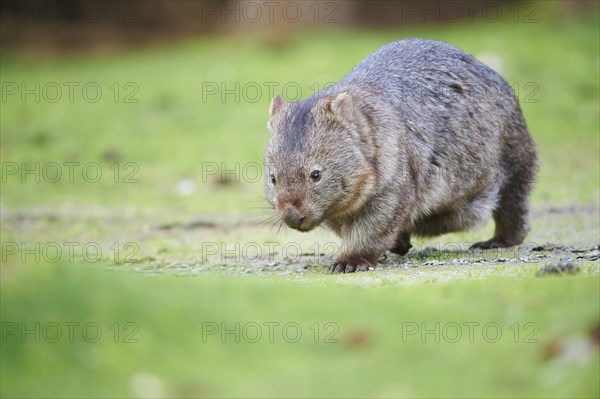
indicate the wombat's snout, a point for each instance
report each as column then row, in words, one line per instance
column 293, row 217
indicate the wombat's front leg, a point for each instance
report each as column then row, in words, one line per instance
column 364, row 240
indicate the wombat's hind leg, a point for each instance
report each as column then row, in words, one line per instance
column 402, row 244
column 510, row 215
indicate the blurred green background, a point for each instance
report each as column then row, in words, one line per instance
column 177, row 131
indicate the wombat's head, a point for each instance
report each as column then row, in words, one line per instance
column 315, row 162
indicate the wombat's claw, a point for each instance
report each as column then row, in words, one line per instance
column 338, row 268
column 344, row 267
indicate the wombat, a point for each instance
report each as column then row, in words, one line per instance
column 419, row 138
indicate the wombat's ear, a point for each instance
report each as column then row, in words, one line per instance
column 341, row 106
column 276, row 104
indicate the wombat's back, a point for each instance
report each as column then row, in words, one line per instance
column 429, row 62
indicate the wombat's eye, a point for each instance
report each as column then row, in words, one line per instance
column 273, row 179
column 315, row 175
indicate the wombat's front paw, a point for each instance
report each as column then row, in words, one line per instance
column 353, row 264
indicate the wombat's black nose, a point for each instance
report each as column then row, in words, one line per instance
column 292, row 217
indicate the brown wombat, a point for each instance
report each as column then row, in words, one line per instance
column 419, row 138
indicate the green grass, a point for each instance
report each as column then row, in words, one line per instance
column 375, row 349
column 172, row 286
